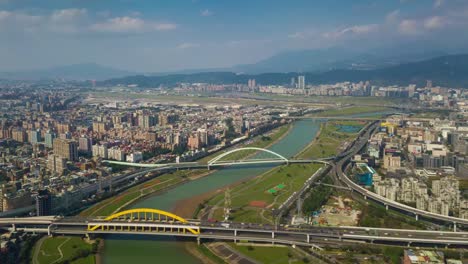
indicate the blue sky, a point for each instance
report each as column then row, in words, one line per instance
column 161, row 36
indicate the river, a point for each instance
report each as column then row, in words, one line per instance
column 145, row 249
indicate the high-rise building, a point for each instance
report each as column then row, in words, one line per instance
column 19, row 135
column 165, row 119
column 101, row 151
column 85, row 144
column 293, row 82
column 411, row 90
column 116, row 154
column 100, row 127
column 428, row 84
column 43, row 203
column 35, row 136
column 251, row 83
column 66, row 148
column 147, row 121
column 56, row 164
column 301, row 82
column 49, row 138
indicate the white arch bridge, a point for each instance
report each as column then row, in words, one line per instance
column 219, row 160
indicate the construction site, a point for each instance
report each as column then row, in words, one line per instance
column 338, row 211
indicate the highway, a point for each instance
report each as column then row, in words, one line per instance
column 282, row 234
column 343, row 162
column 306, row 236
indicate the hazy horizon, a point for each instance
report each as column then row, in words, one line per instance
column 160, row 36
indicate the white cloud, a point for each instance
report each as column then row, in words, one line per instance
column 130, row 25
column 435, row 22
column 206, row 13
column 68, row 15
column 353, row 30
column 409, row 27
column 75, row 20
column 188, row 45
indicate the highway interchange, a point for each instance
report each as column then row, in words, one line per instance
column 281, row 234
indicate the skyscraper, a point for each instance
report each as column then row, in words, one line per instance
column 43, row 203
column 85, row 144
column 66, row 148
column 35, row 136
column 49, row 138
column 301, row 82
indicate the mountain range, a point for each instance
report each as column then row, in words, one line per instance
column 449, row 70
column 317, row 60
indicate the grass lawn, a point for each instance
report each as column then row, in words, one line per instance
column 110, row 205
column 271, row 255
column 352, row 110
column 106, row 207
column 366, row 100
column 330, row 140
column 49, row 251
column 291, row 177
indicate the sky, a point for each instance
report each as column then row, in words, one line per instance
column 164, row 36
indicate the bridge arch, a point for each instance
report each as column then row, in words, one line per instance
column 216, row 159
column 148, row 214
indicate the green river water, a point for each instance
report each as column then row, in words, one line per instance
column 149, row 249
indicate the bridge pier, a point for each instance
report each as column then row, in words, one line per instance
column 416, row 217
column 198, row 241
column 454, row 227
column 365, row 197
column 308, row 238
column 48, row 230
column 386, row 207
column 13, row 226
column 235, row 235
column 272, row 234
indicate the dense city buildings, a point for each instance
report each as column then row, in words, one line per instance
column 417, row 164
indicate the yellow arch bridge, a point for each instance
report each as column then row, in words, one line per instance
column 143, row 220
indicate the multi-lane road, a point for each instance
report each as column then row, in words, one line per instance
column 305, row 236
column 344, row 179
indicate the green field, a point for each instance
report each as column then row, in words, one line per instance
column 65, row 250
column 292, row 177
column 272, row 255
column 337, row 99
column 108, row 206
column 118, row 94
column 330, row 140
column 353, row 110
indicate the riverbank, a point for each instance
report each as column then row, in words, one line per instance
column 187, row 207
column 170, row 180
column 330, row 140
column 150, row 249
column 166, row 182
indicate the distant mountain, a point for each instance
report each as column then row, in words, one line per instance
column 447, row 70
column 333, row 58
column 87, row 71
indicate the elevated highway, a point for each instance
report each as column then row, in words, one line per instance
column 345, row 160
column 141, row 222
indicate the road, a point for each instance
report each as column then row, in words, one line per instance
column 342, row 178
column 306, row 236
